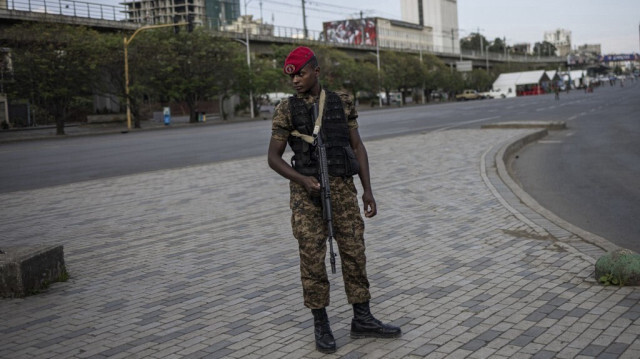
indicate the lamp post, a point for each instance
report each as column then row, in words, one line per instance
column 246, row 43
column 246, row 2
column 127, row 41
column 378, row 63
column 487, row 56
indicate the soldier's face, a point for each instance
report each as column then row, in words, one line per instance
column 305, row 79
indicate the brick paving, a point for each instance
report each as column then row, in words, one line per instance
column 200, row 263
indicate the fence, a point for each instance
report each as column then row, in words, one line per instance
column 119, row 13
column 69, row 8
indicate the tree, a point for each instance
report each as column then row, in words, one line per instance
column 401, row 72
column 498, row 46
column 480, row 80
column 473, row 42
column 54, row 67
column 196, row 66
column 435, row 73
column 265, row 78
column 544, row 48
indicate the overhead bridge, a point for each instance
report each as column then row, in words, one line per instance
column 113, row 18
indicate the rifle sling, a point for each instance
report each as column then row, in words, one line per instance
column 316, row 129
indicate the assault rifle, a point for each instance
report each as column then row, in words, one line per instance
column 325, row 196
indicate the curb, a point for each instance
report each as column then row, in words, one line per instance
column 501, row 160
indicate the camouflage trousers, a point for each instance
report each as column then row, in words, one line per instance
column 310, row 230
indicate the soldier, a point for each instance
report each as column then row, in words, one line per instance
column 346, row 156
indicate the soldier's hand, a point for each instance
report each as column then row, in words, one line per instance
column 311, row 184
column 370, row 208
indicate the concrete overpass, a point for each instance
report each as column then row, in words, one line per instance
column 111, row 18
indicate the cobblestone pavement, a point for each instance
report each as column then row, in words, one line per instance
column 200, row 262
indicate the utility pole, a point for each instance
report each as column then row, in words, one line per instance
column 487, row 57
column 453, row 42
column 362, row 28
column 481, row 41
column 304, row 22
column 504, row 44
column 378, row 60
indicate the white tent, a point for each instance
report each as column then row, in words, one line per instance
column 509, row 83
column 578, row 78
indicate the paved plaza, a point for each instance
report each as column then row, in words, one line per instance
column 200, row 262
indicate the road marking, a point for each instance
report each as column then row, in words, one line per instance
column 467, row 122
column 570, row 134
column 550, row 141
column 572, row 118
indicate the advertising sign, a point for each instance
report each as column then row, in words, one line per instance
column 464, row 66
column 620, row 57
column 351, row 31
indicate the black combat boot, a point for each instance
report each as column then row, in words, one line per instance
column 325, row 343
column 364, row 325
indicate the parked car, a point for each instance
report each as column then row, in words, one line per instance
column 487, row 94
column 468, row 95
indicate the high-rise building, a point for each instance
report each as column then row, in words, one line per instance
column 590, row 48
column 440, row 15
column 210, row 13
column 561, row 39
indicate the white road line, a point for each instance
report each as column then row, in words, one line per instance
column 467, row 122
column 572, row 118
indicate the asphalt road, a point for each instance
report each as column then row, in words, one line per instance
column 589, row 175
column 559, row 181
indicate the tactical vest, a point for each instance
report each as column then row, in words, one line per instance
column 335, row 133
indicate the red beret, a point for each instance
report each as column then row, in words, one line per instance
column 297, row 59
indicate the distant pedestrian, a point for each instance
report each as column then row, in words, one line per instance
column 347, row 156
column 556, row 90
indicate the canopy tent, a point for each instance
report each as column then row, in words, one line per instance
column 522, row 83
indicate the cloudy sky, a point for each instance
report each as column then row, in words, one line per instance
column 612, row 23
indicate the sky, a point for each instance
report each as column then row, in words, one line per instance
column 614, row 24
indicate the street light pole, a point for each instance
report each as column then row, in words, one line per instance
column 378, row 60
column 487, row 56
column 126, row 62
column 304, row 22
column 246, row 43
column 246, row 30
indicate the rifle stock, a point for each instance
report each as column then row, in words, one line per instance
column 321, row 152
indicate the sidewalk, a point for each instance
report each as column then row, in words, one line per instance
column 84, row 129
column 200, row 262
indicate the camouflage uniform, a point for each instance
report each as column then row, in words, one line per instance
column 311, row 232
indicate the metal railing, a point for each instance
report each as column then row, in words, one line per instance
column 279, row 33
column 69, row 8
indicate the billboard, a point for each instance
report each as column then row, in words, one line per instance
column 620, row 57
column 353, row 31
column 464, row 66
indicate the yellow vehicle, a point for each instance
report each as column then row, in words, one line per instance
column 468, row 95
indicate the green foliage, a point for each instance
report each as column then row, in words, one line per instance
column 53, row 65
column 544, row 48
column 473, row 42
column 621, row 267
column 610, row 279
column 58, row 68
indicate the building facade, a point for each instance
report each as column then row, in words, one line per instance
column 561, row 39
column 590, row 48
column 522, row 48
column 439, row 15
column 381, row 32
column 210, row 13
column 246, row 24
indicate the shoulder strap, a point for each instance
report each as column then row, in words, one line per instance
column 318, row 124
